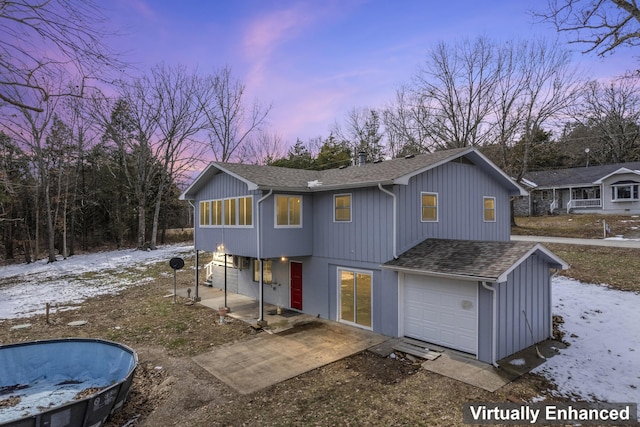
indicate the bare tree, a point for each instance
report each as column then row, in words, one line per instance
column 30, row 127
column 602, row 25
column 231, row 123
column 361, row 130
column 45, row 40
column 181, row 97
column 457, row 84
column 406, row 122
column 611, row 114
column 265, row 148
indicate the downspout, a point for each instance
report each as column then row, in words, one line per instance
column 261, row 290
column 494, row 326
column 395, row 219
column 196, row 248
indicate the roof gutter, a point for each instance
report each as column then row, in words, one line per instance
column 261, row 319
column 395, row 217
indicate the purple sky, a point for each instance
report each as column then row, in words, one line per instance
column 316, row 60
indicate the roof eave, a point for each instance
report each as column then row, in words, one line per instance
column 440, row 274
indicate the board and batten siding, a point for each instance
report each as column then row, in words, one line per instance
column 236, row 240
column 277, row 242
column 366, row 238
column 461, row 189
column 528, row 289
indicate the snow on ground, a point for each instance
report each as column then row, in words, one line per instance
column 601, row 324
column 28, row 287
column 602, row 361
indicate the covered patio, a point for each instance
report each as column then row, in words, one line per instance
column 246, row 309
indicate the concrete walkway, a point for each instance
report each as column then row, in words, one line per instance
column 252, row 365
column 573, row 241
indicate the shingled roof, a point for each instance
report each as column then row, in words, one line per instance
column 489, row 261
column 395, row 171
column 576, row 176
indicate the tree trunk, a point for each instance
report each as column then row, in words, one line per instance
column 51, row 248
column 142, row 224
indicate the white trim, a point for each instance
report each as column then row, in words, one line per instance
column 484, row 210
column 339, row 298
column 430, row 193
column 617, row 172
column 350, row 207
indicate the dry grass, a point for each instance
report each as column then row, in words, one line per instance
column 579, row 226
column 616, row 267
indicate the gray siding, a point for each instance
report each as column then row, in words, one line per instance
column 528, row 288
column 320, row 292
column 279, row 242
column 275, row 242
column 460, row 189
column 236, row 240
column 367, row 238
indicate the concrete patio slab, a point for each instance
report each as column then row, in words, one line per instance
column 252, row 365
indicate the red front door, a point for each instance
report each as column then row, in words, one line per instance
column 296, row 285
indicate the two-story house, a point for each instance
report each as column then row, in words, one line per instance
column 417, row 246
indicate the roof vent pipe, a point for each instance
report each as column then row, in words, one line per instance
column 362, row 158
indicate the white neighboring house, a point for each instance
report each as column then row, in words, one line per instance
column 612, row 189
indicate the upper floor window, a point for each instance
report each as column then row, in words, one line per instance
column 229, row 211
column 245, row 211
column 624, row 191
column 288, row 211
column 216, row 212
column 429, row 207
column 205, row 213
column 342, row 207
column 489, row 204
column 236, row 211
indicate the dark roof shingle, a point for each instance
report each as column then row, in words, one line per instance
column 576, row 176
column 475, row 259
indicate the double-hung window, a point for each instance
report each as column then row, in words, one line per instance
column 489, row 209
column 216, row 212
column 288, row 211
column 429, row 207
column 342, row 208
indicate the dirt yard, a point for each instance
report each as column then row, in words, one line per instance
column 170, row 389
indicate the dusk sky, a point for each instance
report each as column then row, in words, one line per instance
column 316, row 60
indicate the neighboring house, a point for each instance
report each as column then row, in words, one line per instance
column 594, row 189
column 417, row 246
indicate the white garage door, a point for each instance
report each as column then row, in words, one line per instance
column 441, row 311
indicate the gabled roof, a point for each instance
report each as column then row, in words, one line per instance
column 576, row 176
column 395, row 171
column 617, row 172
column 490, row 261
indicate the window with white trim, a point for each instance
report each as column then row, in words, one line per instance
column 429, row 207
column 205, row 212
column 489, row 209
column 624, row 191
column 245, row 211
column 288, row 211
column 267, row 275
column 230, row 212
column 216, row 212
column 342, row 208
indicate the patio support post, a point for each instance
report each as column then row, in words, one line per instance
column 225, row 283
column 261, row 321
column 196, row 297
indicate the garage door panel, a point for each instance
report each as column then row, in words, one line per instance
column 441, row 311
